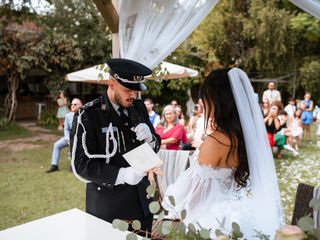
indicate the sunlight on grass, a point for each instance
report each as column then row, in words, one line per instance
column 304, row 168
column 14, row 131
column 28, row 193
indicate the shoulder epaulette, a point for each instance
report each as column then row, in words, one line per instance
column 92, row 103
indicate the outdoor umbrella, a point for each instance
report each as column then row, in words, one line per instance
column 168, row 71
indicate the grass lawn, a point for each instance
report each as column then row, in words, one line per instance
column 28, row 193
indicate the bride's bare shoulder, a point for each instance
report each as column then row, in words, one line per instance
column 214, row 149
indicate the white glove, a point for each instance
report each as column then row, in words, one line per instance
column 129, row 175
column 143, row 133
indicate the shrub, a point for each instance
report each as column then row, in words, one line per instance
column 48, row 119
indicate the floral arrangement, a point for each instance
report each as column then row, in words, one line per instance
column 165, row 229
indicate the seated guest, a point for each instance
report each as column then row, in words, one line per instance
column 272, row 123
column 265, row 108
column 65, row 140
column 171, row 132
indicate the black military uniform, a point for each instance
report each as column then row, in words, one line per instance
column 100, row 137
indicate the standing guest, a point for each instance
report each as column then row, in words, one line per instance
column 106, row 128
column 233, row 174
column 62, row 109
column 290, row 108
column 193, row 122
column 272, row 123
column 153, row 116
column 65, row 140
column 271, row 94
column 171, row 132
column 265, row 108
column 180, row 115
column 174, row 102
column 307, row 116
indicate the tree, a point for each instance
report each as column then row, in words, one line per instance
column 57, row 55
column 81, row 22
column 15, row 59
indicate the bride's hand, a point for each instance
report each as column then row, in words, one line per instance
column 156, row 170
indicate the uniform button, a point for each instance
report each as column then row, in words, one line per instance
column 109, row 185
column 103, row 183
column 99, row 188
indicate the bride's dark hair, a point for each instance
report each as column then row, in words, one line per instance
column 216, row 91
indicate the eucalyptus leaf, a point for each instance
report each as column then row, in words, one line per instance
column 123, row 226
column 151, row 189
column 205, row 233
column 306, row 223
column 183, row 214
column 235, row 227
column 115, row 223
column 166, row 227
column 218, row 232
column 136, row 225
column 315, row 203
column 154, row 207
column 161, row 216
column 172, row 201
column 131, row 236
column 181, row 227
column 192, row 228
column 158, row 228
column 223, row 223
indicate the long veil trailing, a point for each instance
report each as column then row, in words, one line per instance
column 263, row 179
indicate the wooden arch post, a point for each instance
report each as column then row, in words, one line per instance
column 109, row 12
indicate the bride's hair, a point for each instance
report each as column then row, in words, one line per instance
column 216, row 92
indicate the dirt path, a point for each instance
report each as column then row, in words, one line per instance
column 40, row 135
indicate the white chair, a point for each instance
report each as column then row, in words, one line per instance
column 174, row 163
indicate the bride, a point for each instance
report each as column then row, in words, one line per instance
column 232, row 177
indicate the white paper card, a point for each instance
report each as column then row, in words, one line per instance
column 142, row 158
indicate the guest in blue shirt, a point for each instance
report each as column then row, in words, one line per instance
column 153, row 116
column 65, row 140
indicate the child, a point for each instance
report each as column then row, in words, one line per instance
column 295, row 126
column 290, row 108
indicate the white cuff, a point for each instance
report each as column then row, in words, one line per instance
column 120, row 177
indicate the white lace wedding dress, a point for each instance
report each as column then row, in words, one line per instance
column 211, row 198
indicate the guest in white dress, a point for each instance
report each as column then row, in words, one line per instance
column 232, row 177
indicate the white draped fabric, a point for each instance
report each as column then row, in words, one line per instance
column 174, row 163
column 149, row 30
column 310, row 6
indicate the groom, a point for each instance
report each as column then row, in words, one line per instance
column 105, row 129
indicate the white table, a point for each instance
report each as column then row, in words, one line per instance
column 68, row 225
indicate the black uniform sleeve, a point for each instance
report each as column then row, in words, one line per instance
column 91, row 168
